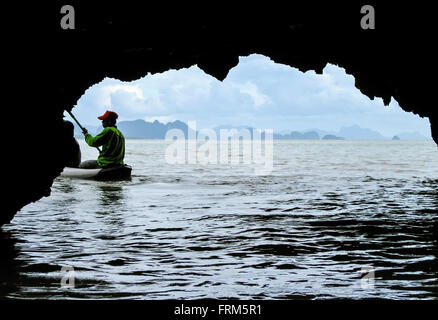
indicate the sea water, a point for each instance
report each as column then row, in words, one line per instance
column 334, row 219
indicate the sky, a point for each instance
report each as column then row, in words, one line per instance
column 257, row 92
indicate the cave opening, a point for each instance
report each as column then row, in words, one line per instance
column 329, row 208
column 257, row 93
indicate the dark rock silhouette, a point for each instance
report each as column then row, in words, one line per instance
column 73, row 155
column 395, row 138
column 48, row 69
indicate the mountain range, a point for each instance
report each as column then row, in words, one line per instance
column 140, row 129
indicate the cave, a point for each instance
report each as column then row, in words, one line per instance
column 129, row 41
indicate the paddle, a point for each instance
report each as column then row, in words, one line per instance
column 82, row 128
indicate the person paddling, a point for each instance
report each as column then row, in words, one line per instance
column 111, row 140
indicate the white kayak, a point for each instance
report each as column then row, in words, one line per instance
column 112, row 173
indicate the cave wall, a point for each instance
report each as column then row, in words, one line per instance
column 48, row 69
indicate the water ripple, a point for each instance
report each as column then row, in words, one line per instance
column 305, row 232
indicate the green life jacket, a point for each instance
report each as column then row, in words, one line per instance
column 113, row 142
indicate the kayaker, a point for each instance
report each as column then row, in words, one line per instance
column 111, row 140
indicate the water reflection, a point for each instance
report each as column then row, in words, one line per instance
column 110, row 195
column 435, row 233
column 65, row 186
column 10, row 265
column 112, row 205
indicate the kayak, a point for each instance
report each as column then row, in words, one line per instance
column 112, row 173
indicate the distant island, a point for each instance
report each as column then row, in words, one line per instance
column 141, row 129
column 332, row 137
column 295, row 135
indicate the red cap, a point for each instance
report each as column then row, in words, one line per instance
column 107, row 114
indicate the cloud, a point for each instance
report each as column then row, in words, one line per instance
column 253, row 91
column 107, row 90
column 257, row 92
